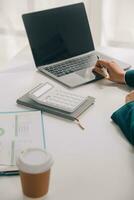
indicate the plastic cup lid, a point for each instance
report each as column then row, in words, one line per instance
column 34, row 161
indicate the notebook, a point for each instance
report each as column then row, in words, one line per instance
column 62, row 44
column 28, row 102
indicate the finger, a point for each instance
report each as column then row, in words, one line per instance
column 98, row 65
column 108, row 78
column 99, row 71
column 103, row 63
column 96, row 69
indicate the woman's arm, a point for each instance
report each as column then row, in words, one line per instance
column 115, row 72
column 124, row 116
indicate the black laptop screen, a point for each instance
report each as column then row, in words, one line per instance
column 58, row 33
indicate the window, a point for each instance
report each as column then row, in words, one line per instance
column 118, row 23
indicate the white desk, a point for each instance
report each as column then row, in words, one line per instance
column 97, row 163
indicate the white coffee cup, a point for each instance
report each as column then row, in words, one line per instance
column 34, row 165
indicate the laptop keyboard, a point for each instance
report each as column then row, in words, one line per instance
column 73, row 65
column 76, row 64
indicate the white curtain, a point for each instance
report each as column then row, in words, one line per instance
column 118, row 23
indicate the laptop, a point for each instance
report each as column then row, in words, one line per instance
column 62, row 44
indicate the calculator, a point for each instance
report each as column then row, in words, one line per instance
column 46, row 94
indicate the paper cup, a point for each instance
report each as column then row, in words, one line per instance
column 34, row 166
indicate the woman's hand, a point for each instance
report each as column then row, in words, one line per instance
column 114, row 72
column 130, row 97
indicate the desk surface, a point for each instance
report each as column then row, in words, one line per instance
column 97, row 163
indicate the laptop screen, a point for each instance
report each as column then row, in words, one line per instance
column 59, row 33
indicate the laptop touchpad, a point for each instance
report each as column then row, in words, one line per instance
column 87, row 74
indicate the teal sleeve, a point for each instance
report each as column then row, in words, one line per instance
column 124, row 118
column 129, row 78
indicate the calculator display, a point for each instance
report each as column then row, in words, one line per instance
column 42, row 90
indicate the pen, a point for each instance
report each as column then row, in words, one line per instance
column 9, row 173
column 98, row 57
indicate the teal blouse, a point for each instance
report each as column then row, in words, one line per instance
column 124, row 116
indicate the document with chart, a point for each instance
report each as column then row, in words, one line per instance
column 19, row 131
